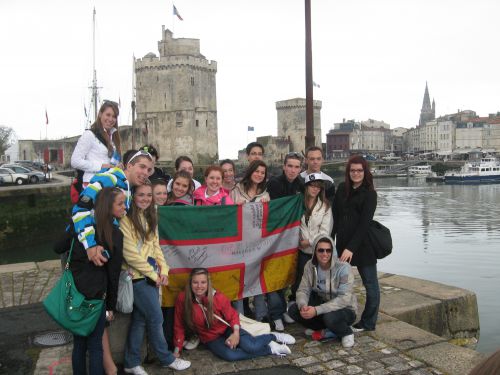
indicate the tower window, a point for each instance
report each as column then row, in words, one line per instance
column 197, row 123
column 192, row 81
column 206, row 123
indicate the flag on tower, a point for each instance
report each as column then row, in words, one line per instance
column 316, row 85
column 46, row 118
column 251, row 129
column 85, row 110
column 176, row 13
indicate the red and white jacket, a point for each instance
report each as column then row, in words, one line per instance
column 222, row 307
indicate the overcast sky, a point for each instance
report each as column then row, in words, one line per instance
column 370, row 57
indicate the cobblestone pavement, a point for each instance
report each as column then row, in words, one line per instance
column 30, row 282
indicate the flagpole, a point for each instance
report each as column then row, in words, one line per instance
column 173, row 19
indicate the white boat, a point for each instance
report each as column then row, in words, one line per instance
column 486, row 171
column 420, row 170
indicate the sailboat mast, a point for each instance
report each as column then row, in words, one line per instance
column 94, row 81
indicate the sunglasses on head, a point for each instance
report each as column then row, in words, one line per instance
column 140, row 153
column 323, row 250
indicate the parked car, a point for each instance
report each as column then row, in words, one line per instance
column 11, row 177
column 34, row 175
column 1, row 180
column 33, row 164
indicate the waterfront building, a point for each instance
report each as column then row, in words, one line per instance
column 176, row 100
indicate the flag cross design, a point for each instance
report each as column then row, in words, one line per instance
column 248, row 249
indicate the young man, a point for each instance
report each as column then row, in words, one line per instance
column 255, row 151
column 314, row 160
column 288, row 183
column 326, row 302
column 138, row 168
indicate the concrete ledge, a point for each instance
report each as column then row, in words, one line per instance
column 18, row 267
column 449, row 358
column 404, row 336
column 444, row 310
column 49, row 264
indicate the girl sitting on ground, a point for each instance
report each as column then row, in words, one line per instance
column 209, row 314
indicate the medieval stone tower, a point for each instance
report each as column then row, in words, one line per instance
column 292, row 122
column 176, row 101
column 428, row 112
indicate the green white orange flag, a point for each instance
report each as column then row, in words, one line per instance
column 249, row 249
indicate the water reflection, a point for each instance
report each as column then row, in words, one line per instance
column 448, row 234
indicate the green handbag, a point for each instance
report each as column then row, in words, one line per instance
column 69, row 308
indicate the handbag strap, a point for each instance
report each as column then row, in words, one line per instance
column 70, row 253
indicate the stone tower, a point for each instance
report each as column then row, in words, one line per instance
column 176, row 101
column 428, row 112
column 292, row 122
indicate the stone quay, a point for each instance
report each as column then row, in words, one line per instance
column 419, row 323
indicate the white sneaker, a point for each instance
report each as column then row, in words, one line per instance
column 288, row 319
column 308, row 332
column 180, row 364
column 137, row 370
column 192, row 343
column 284, row 338
column 278, row 325
column 348, row 341
column 280, row 350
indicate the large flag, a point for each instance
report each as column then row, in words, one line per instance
column 248, row 249
column 176, row 13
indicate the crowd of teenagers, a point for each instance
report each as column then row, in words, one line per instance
column 115, row 228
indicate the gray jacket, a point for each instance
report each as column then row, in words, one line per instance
column 339, row 287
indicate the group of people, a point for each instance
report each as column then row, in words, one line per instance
column 114, row 227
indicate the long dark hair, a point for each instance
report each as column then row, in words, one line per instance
column 367, row 175
column 103, row 214
column 246, row 181
column 99, row 129
column 190, row 299
column 321, row 198
column 149, row 214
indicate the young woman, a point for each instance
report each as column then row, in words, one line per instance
column 99, row 147
column 182, row 190
column 353, row 209
column 184, row 163
column 325, row 298
column 316, row 219
column 144, row 259
column 229, row 169
column 252, row 187
column 160, row 194
column 97, row 282
column 209, row 314
column 212, row 193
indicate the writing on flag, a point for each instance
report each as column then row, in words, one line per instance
column 248, row 249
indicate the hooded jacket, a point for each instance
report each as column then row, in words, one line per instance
column 239, row 196
column 221, row 198
column 339, row 286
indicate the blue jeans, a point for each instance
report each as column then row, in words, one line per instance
column 259, row 303
column 249, row 346
column 276, row 304
column 370, row 282
column 92, row 344
column 146, row 315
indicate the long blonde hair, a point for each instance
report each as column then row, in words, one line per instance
column 190, row 300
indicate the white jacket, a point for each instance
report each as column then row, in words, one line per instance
column 89, row 155
column 321, row 221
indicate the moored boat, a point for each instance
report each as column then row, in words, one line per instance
column 420, row 170
column 486, row 171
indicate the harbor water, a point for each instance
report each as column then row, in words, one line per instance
column 444, row 233
column 448, row 234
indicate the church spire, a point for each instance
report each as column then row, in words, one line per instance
column 427, row 112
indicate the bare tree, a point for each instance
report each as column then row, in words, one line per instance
column 6, row 138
